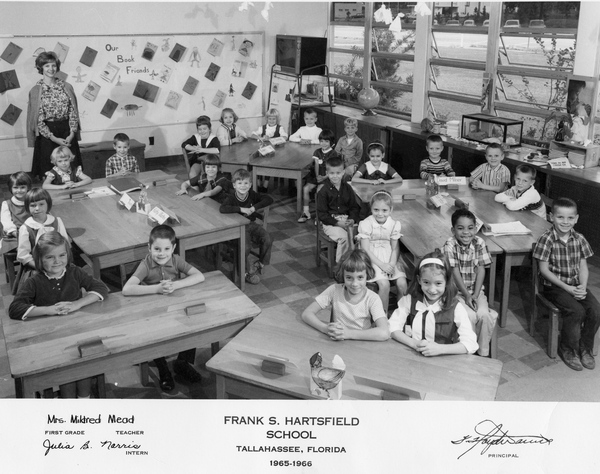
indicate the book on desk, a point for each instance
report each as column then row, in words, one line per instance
column 506, row 228
column 126, row 184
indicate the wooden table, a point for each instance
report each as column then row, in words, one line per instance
column 289, row 161
column 456, row 377
column 110, row 236
column 237, row 156
column 43, row 352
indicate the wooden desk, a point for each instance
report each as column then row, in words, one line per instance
column 458, row 377
column 43, row 352
column 289, row 161
column 110, row 236
column 237, row 156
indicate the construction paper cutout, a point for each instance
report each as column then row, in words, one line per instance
column 213, row 70
column 239, row 68
column 11, row 53
column 61, row 51
column 195, row 57
column 190, row 85
column 231, row 90
column 9, row 80
column 165, row 74
column 109, row 72
column 249, row 91
column 219, row 99
column 146, row 91
column 216, row 47
column 149, row 51
column 166, row 46
column 61, row 75
column 173, row 100
column 130, row 109
column 109, row 108
column 178, row 52
column 79, row 77
column 88, row 57
column 91, row 91
column 11, row 114
column 246, row 48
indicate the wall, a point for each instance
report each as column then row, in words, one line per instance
column 82, row 18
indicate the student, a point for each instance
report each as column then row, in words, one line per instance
column 493, row 175
column 317, row 172
column 337, row 206
column 56, row 290
column 562, row 253
column 211, row 183
column 309, row 133
column 354, row 308
column 200, row 144
column 228, row 132
column 246, row 202
column 431, row 301
column 468, row 256
column 39, row 203
column 272, row 129
column 378, row 235
column 121, row 162
column 160, row 272
column 376, row 171
column 523, row 196
column 63, row 175
column 350, row 146
column 14, row 212
column 434, row 164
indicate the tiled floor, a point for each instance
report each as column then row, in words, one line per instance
column 291, row 282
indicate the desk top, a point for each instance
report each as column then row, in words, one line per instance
column 461, row 377
column 124, row 323
column 99, row 227
column 239, row 153
column 290, row 156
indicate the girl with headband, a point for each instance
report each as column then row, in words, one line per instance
column 376, row 171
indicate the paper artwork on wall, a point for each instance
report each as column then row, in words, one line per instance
column 109, row 72
column 177, row 52
column 215, row 48
column 190, row 85
column 165, row 74
column 88, row 57
column 62, row 75
column 61, row 51
column 11, row 53
column 11, row 114
column 149, row 51
column 91, row 91
column 9, row 80
column 219, row 99
column 195, row 57
column 173, row 100
column 146, row 91
column 246, row 48
column 213, row 70
column 249, row 91
column 130, row 109
column 79, row 77
column 239, row 68
column 109, row 108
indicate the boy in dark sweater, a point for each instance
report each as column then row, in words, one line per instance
column 246, row 202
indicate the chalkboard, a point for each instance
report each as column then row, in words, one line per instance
column 135, row 81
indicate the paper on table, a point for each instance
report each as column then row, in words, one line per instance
column 506, row 228
column 100, row 192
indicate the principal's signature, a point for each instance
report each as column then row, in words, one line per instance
column 489, row 434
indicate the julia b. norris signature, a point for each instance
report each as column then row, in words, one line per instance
column 489, row 434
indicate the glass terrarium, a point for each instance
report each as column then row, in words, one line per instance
column 489, row 129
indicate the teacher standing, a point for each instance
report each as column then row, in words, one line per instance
column 52, row 115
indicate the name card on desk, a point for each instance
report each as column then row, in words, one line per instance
column 438, row 200
column 127, row 201
column 276, row 141
column 448, row 180
column 158, row 215
column 266, row 150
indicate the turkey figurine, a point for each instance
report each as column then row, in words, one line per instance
column 326, row 378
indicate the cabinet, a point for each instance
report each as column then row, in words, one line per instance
column 586, row 156
column 94, row 156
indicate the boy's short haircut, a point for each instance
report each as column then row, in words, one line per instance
column 120, row 137
column 564, row 202
column 35, row 195
column 310, row 111
column 240, row 175
column 494, row 146
column 351, row 122
column 162, row 232
column 334, row 162
column 434, row 139
column 20, row 178
column 203, row 120
column 376, row 146
column 61, row 152
column 274, row 113
column 231, row 111
column 211, row 159
column 49, row 239
column 328, row 135
column 526, row 169
column 462, row 213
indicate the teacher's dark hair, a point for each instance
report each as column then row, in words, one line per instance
column 45, row 58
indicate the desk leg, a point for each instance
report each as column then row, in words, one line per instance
column 492, row 283
column 508, row 262
column 181, row 248
column 254, row 187
column 221, row 389
column 242, row 256
column 299, row 193
column 96, row 268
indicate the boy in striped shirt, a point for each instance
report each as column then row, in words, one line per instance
column 493, row 175
column 434, row 164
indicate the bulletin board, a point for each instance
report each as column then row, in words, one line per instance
column 134, row 81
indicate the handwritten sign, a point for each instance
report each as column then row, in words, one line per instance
column 438, row 200
column 127, row 201
column 158, row 215
column 557, row 163
column 266, row 150
column 446, row 180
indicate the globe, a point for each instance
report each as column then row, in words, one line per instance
column 368, row 99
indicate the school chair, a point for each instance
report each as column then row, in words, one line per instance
column 325, row 248
column 186, row 161
column 10, row 259
column 548, row 204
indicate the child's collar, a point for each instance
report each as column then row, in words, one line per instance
column 239, row 198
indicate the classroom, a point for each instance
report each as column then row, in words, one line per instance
column 237, row 125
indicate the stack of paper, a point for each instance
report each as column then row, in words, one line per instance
column 506, row 228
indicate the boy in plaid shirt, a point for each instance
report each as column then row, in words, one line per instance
column 562, row 254
column 121, row 162
column 468, row 257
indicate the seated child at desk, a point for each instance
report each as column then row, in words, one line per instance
column 354, row 308
column 246, row 202
column 379, row 235
column 212, row 183
column 523, row 196
column 56, row 290
column 309, row 133
column 160, row 272
column 317, row 171
column 228, row 132
column 493, row 175
column 200, row 144
column 121, row 162
column 14, row 212
column 272, row 129
column 63, row 175
column 376, row 171
column 562, row 254
column 337, row 206
column 434, row 164
column 350, row 147
column 430, row 319
column 468, row 256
